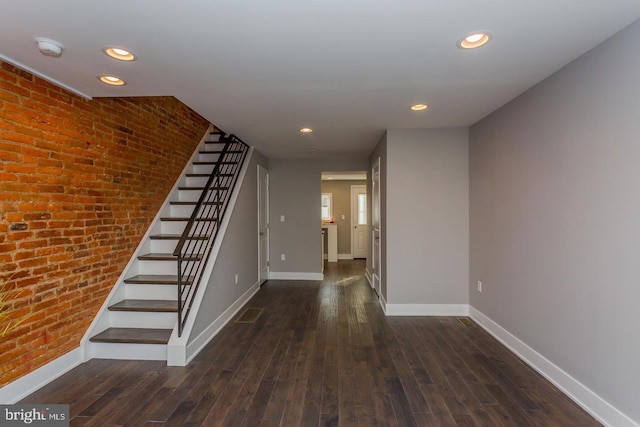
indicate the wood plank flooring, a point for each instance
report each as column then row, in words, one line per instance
column 322, row 354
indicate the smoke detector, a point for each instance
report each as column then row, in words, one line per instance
column 49, row 47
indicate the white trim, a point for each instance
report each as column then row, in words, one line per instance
column 44, row 77
column 24, row 386
column 383, row 303
column 427, row 310
column 602, row 410
column 369, row 276
column 287, row 275
column 196, row 346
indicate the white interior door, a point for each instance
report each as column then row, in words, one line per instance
column 375, row 226
column 359, row 222
column 263, row 224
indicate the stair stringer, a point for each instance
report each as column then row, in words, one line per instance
column 179, row 351
column 101, row 320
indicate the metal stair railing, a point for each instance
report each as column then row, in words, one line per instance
column 199, row 235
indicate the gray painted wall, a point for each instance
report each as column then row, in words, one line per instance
column 427, row 209
column 341, row 201
column 555, row 204
column 295, row 193
column 238, row 253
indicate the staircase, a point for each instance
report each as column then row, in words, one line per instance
column 159, row 284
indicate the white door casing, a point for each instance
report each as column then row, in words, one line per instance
column 359, row 222
column 263, row 224
column 375, row 226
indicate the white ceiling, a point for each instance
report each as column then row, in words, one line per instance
column 347, row 69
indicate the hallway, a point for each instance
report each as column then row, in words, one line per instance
column 322, row 353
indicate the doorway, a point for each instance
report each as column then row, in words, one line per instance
column 359, row 222
column 263, row 224
column 375, row 227
column 339, row 214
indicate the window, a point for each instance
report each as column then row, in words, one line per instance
column 326, row 207
column 362, row 209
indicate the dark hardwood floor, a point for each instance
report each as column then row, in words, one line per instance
column 323, row 353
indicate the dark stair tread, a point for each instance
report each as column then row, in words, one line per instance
column 133, row 335
column 176, row 237
column 155, row 279
column 167, row 257
column 195, row 175
column 220, row 151
column 180, row 203
column 146, row 305
column 213, row 163
column 182, row 218
column 201, row 188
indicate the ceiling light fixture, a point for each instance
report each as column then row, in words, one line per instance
column 119, row 53
column 111, row 80
column 49, row 47
column 474, row 40
column 306, row 130
column 419, row 107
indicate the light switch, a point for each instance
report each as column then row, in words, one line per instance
column 281, row 218
column 343, row 217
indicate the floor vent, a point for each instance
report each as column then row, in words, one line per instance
column 250, row 315
column 465, row 321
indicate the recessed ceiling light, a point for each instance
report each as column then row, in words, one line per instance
column 474, row 40
column 419, row 107
column 112, row 80
column 306, row 130
column 119, row 53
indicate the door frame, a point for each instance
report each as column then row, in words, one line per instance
column 354, row 213
column 263, row 172
column 376, row 228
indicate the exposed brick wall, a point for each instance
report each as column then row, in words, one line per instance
column 80, row 182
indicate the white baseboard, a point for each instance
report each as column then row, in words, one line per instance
column 599, row 408
column 22, row 387
column 427, row 310
column 196, row 346
column 369, row 276
column 286, row 275
column 383, row 303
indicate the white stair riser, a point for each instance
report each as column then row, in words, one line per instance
column 202, row 169
column 172, row 227
column 163, row 246
column 194, row 195
column 157, row 267
column 189, row 195
column 163, row 292
column 213, row 137
column 100, row 350
column 181, row 210
column 208, row 157
column 138, row 319
column 196, row 181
